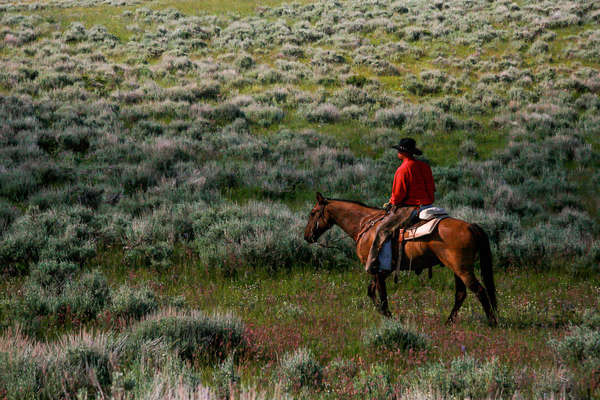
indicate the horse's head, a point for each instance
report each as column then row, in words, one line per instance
column 319, row 220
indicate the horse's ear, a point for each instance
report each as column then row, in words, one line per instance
column 320, row 198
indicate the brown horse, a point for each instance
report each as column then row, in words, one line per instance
column 454, row 243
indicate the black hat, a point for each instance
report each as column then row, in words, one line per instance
column 407, row 145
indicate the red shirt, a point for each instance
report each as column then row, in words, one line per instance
column 413, row 184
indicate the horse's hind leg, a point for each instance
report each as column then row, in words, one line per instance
column 459, row 297
column 473, row 284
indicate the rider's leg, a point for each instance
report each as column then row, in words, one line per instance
column 385, row 256
column 380, row 237
column 397, row 217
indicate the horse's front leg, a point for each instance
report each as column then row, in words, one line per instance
column 371, row 291
column 383, row 301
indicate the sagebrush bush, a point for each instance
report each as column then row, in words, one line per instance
column 219, row 114
column 354, row 96
column 81, row 367
column 17, row 185
column 225, row 377
column 192, row 335
column 300, row 369
column 76, row 32
column 326, row 113
column 353, row 112
column 156, row 255
column 54, row 291
column 20, row 376
column 554, row 383
column 263, row 115
column 376, row 383
column 581, row 344
column 62, row 233
column 237, row 238
column 391, row 117
column 75, row 141
column 392, row 335
column 86, row 296
column 129, row 302
column 590, row 318
column 162, row 376
column 467, row 377
column 75, row 365
column 8, row 213
column 53, row 274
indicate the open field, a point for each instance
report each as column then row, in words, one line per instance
column 158, row 160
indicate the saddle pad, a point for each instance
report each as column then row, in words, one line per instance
column 423, row 230
column 432, row 212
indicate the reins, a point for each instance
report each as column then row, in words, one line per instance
column 365, row 227
column 368, row 225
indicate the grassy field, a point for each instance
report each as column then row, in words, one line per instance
column 158, row 160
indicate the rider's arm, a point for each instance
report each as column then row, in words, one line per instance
column 399, row 187
column 430, row 185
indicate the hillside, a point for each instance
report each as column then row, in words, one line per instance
column 160, row 157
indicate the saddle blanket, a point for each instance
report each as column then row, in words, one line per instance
column 423, row 230
column 386, row 254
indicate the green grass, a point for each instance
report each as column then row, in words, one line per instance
column 111, row 16
column 328, row 311
column 108, row 16
column 195, row 7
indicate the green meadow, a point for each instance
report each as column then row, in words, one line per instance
column 159, row 158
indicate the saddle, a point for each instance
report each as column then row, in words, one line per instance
column 421, row 225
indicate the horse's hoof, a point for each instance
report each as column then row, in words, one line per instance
column 383, row 311
column 373, row 270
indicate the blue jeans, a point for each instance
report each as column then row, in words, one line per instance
column 385, row 256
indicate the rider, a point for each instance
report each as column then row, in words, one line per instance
column 413, row 189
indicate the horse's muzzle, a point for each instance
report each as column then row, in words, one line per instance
column 310, row 238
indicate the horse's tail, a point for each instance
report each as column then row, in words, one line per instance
column 485, row 260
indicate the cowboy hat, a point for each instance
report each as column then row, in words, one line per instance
column 408, row 145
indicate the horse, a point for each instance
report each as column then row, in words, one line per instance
column 454, row 244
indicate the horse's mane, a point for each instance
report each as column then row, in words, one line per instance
column 355, row 202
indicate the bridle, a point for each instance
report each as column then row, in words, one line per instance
column 320, row 215
column 366, row 226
